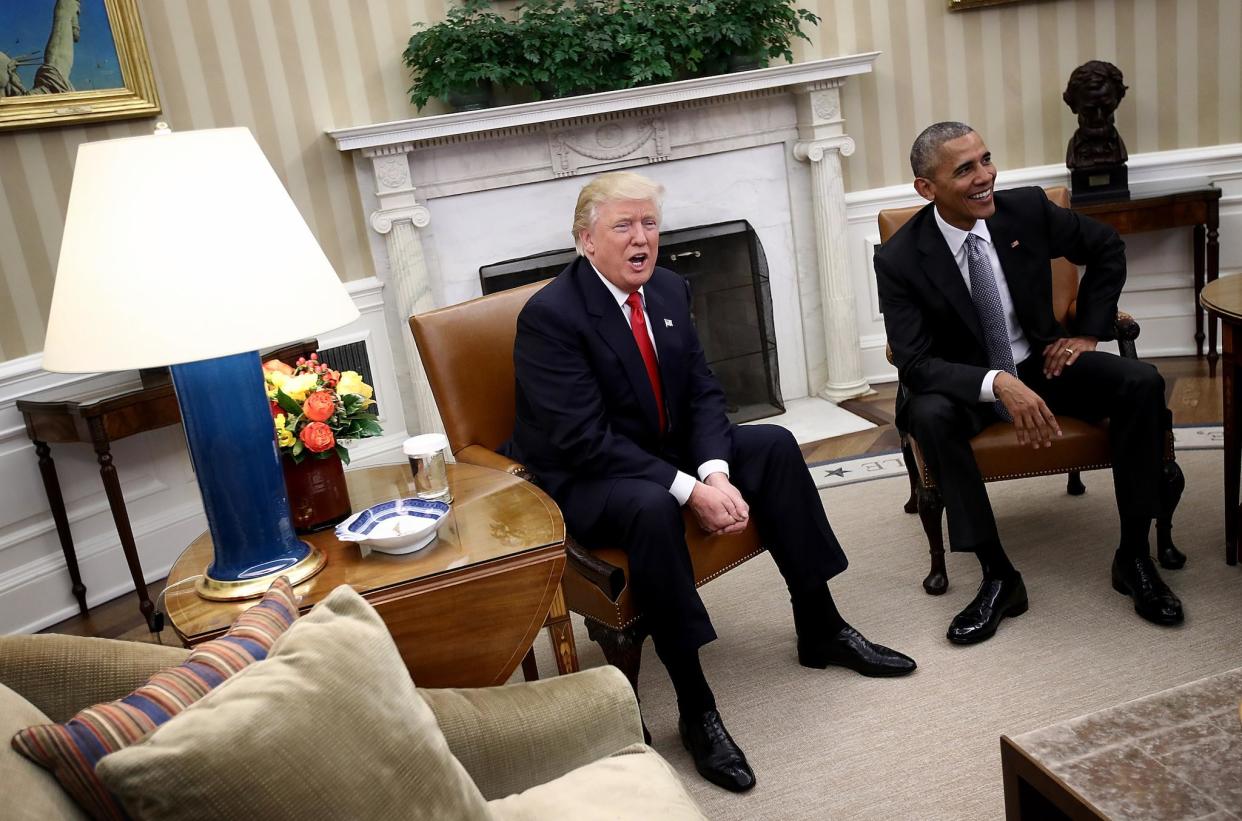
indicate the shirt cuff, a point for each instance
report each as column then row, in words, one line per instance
column 713, row 466
column 682, row 487
column 985, row 390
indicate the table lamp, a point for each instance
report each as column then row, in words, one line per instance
column 184, row 249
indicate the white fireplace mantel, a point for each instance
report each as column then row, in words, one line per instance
column 764, row 145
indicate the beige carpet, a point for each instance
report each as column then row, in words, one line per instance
column 832, row 744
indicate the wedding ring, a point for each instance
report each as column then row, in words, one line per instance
column 1069, row 351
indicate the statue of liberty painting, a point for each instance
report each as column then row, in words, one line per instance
column 56, row 62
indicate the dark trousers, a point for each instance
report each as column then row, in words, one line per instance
column 1129, row 393
column 645, row 520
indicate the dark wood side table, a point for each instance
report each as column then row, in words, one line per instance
column 98, row 418
column 1223, row 300
column 463, row 611
column 1198, row 209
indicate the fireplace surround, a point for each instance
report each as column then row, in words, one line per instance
column 450, row 194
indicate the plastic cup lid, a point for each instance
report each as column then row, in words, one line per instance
column 424, row 444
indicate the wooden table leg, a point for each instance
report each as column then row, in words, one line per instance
column 1200, row 233
column 116, row 501
column 1233, row 457
column 561, row 631
column 56, row 501
column 1213, row 272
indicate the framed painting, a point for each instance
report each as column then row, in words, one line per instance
column 73, row 61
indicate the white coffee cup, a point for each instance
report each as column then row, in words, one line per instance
column 426, row 455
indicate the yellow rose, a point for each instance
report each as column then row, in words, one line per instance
column 296, row 387
column 284, row 436
column 351, row 382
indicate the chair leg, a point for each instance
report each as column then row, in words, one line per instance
column 907, row 454
column 1171, row 489
column 1074, row 486
column 931, row 509
column 623, row 649
column 530, row 668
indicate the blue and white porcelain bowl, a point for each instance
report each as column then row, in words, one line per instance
column 399, row 526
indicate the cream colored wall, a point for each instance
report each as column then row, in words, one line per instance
column 288, row 69
column 1003, row 69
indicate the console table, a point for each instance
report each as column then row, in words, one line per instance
column 1199, row 210
column 463, row 611
column 99, row 418
column 1223, row 300
column 1167, row 755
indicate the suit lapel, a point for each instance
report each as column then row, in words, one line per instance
column 611, row 324
column 945, row 276
column 1013, row 263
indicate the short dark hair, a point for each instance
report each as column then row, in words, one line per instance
column 925, row 152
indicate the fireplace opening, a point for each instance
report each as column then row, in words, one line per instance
column 731, row 305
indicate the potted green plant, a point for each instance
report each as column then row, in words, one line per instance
column 746, row 34
column 460, row 58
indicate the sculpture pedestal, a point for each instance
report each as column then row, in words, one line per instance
column 1109, row 183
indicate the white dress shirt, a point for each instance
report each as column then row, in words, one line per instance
column 956, row 238
column 683, row 483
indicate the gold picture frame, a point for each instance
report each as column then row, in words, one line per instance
column 51, row 99
column 963, row 5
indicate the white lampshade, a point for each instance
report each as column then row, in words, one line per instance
column 180, row 247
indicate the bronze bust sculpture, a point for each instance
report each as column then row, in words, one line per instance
column 1096, row 154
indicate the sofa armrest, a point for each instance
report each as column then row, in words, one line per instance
column 63, row 674
column 513, row 737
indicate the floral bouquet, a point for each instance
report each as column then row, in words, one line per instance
column 315, row 408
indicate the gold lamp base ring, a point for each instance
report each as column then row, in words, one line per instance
column 252, row 588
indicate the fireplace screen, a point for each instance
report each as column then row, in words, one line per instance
column 732, row 306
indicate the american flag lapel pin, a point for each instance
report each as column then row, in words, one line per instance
column 1013, row 244
column 668, row 323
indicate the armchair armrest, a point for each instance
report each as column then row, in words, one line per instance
column 488, row 458
column 513, row 737
column 63, row 674
column 1126, row 330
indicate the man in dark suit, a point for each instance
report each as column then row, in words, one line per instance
column 617, row 413
column 967, row 300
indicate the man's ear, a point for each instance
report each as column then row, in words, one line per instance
column 588, row 245
column 926, row 188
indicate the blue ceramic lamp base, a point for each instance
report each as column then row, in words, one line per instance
column 228, row 425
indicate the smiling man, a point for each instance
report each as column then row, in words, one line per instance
column 622, row 422
column 966, row 292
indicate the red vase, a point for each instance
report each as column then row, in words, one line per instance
column 318, row 496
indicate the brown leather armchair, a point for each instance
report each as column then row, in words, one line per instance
column 467, row 351
column 1084, row 446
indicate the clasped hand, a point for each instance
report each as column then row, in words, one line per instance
column 718, row 505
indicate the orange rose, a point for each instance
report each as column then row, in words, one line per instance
column 317, row 437
column 319, row 406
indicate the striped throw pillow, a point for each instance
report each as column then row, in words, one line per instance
column 71, row 750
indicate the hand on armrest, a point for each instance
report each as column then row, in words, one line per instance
column 513, row 737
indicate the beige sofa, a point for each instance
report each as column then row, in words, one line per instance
column 563, row 747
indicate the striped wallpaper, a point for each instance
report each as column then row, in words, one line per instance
column 289, row 69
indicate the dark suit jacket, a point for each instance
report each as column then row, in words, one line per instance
column 932, row 326
column 585, row 407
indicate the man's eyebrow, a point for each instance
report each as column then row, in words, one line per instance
column 963, row 166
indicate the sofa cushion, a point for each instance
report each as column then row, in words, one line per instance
column 34, row 792
column 328, row 726
column 73, row 749
column 633, row 783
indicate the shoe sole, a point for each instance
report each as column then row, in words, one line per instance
column 1124, row 589
column 1013, row 612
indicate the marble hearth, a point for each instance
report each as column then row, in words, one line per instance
column 449, row 194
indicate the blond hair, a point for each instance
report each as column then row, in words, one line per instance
column 610, row 187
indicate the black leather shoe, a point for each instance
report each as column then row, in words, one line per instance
column 849, row 648
column 995, row 600
column 716, row 756
column 1136, row 576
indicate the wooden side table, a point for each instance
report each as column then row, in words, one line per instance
column 464, row 611
column 98, row 418
column 1223, row 300
column 1199, row 210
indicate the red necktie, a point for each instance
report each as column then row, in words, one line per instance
column 638, row 324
